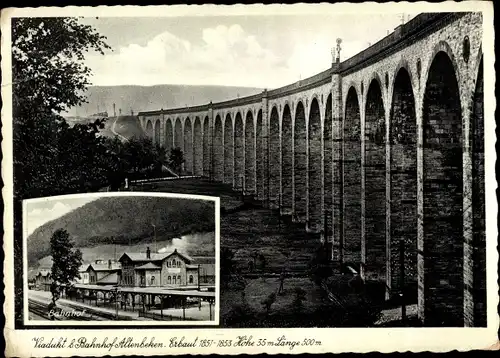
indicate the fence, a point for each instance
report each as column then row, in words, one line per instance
column 142, row 181
column 164, row 317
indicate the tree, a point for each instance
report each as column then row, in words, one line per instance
column 226, row 264
column 176, row 159
column 66, row 262
column 48, row 77
column 135, row 158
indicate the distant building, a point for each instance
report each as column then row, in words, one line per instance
column 43, row 280
column 101, row 273
column 207, row 269
column 100, row 114
column 84, row 274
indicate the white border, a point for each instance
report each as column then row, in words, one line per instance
column 19, row 342
column 99, row 195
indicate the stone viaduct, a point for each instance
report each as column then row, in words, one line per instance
column 381, row 150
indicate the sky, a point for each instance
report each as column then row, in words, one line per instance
column 48, row 209
column 264, row 51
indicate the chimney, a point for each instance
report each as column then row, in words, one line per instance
column 148, row 253
column 109, row 264
column 120, row 111
column 114, row 109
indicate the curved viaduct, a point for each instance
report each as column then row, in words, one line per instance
column 381, row 150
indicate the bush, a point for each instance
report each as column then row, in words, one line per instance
column 300, row 296
column 238, row 315
column 268, row 302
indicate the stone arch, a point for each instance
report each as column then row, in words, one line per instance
column 206, row 146
column 317, row 97
column 403, row 64
column 197, row 147
column 351, row 171
column 188, row 146
column 375, row 182
column 149, row 130
column 169, row 135
column 259, row 147
column 249, row 154
column 441, row 46
column 442, row 289
column 228, row 150
column 239, row 152
column 157, row 132
column 327, row 167
column 375, row 77
column 300, row 164
column 403, row 177
column 274, row 159
column 286, row 160
column 315, row 168
column 178, row 141
column 478, row 202
column 352, row 87
column 218, row 150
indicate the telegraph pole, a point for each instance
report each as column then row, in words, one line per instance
column 199, row 277
column 154, row 236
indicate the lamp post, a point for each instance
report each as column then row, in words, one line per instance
column 116, row 301
column 198, row 277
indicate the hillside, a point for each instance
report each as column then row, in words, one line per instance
column 125, row 220
column 127, row 126
column 146, row 98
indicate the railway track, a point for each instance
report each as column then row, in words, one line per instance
column 42, row 309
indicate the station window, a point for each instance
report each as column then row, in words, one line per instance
column 179, row 279
column 169, row 280
column 190, row 278
column 175, row 281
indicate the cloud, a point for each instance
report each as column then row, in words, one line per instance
column 41, row 212
column 226, row 55
column 39, row 216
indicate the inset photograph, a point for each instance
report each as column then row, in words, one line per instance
column 117, row 257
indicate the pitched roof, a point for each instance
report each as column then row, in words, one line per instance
column 109, row 279
column 148, row 266
column 83, row 267
column 141, row 256
column 115, row 266
column 44, row 272
column 184, row 256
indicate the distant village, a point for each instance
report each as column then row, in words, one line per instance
column 175, row 270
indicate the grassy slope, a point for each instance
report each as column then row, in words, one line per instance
column 128, row 126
